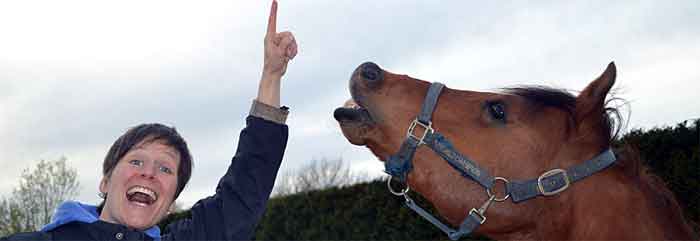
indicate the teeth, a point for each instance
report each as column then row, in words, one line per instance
column 143, row 190
column 351, row 104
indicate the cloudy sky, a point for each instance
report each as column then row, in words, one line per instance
column 74, row 75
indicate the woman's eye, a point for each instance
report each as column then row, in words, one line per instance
column 136, row 162
column 165, row 169
column 497, row 111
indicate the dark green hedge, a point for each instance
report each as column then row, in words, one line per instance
column 369, row 212
column 359, row 212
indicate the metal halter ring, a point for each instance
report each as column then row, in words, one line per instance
column 401, row 193
column 488, row 191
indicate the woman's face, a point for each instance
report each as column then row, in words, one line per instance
column 142, row 185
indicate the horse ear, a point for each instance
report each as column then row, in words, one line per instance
column 598, row 89
column 590, row 102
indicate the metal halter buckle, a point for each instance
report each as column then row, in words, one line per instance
column 428, row 129
column 550, row 173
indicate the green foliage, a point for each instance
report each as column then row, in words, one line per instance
column 360, row 212
column 368, row 211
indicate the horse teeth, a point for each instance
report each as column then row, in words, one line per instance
column 351, row 104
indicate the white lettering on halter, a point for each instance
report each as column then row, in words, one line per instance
column 457, row 157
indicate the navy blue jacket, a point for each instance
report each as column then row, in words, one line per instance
column 230, row 214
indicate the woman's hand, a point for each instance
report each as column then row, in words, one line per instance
column 280, row 48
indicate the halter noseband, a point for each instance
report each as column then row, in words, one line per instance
column 547, row 184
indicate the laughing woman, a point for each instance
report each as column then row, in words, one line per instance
column 147, row 168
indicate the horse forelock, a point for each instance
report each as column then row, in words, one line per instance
column 543, row 96
column 612, row 121
column 538, row 97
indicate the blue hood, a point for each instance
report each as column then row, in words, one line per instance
column 70, row 211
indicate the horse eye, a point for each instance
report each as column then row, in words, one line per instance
column 497, row 111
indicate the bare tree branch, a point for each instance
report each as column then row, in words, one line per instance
column 40, row 191
column 317, row 175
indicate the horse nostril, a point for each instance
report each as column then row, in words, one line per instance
column 370, row 71
column 372, row 74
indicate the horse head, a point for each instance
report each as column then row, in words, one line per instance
column 516, row 134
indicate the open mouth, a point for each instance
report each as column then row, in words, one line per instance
column 351, row 112
column 141, row 196
column 355, row 122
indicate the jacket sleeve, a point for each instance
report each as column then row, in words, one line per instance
column 242, row 193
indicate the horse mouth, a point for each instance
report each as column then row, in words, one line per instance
column 355, row 121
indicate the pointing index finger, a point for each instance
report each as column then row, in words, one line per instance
column 272, row 21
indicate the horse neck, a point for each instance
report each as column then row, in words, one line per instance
column 613, row 205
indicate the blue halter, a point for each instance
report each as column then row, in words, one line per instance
column 547, row 184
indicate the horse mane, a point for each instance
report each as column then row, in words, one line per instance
column 663, row 201
column 611, row 124
column 629, row 162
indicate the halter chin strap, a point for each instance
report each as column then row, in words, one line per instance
column 547, row 184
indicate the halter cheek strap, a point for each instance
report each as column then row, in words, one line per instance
column 400, row 164
column 547, row 184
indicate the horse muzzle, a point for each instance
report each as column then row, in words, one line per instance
column 354, row 119
column 366, row 78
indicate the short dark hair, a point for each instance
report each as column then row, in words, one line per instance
column 149, row 133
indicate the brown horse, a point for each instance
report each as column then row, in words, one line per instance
column 519, row 135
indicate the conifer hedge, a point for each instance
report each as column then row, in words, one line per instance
column 360, row 212
column 368, row 211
